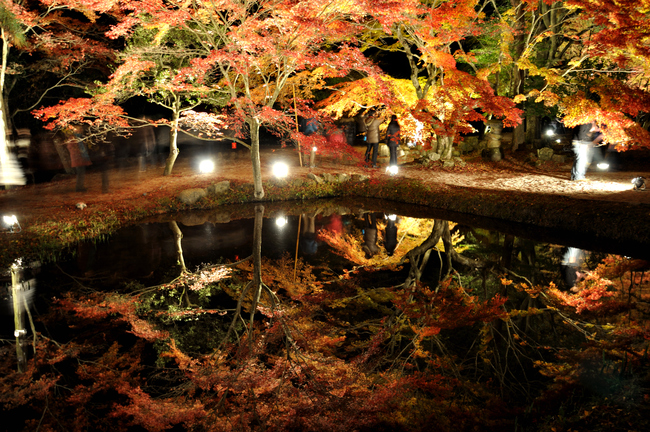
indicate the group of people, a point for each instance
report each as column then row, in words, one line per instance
column 371, row 123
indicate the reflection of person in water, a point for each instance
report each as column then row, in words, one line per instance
column 390, row 234
column 370, row 235
column 571, row 266
column 308, row 243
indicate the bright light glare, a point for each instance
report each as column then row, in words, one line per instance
column 10, row 220
column 603, row 165
column 558, row 140
column 206, row 166
column 602, row 186
column 314, row 149
column 550, row 132
column 281, row 221
column 280, row 170
column 392, row 169
column 392, row 217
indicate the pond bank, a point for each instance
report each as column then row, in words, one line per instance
column 511, row 191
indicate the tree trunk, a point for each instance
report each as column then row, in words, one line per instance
column 445, row 146
column 178, row 236
column 518, row 136
column 173, row 141
column 19, row 325
column 257, row 260
column 532, row 125
column 255, row 159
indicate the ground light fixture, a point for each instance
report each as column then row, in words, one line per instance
column 206, row 166
column 392, row 217
column 392, row 169
column 639, row 183
column 550, row 132
column 10, row 224
column 280, row 170
column 603, row 166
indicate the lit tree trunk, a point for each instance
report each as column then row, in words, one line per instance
column 178, row 236
column 255, row 158
column 173, row 140
column 445, row 146
column 19, row 325
column 257, row 260
column 3, row 107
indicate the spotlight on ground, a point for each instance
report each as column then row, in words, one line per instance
column 10, row 224
column 206, row 166
column 392, row 169
column 603, row 166
column 280, row 170
column 639, row 183
column 281, row 221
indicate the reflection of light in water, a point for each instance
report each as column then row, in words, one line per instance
column 206, row 166
column 281, row 221
column 280, row 170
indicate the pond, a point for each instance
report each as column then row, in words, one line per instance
column 404, row 316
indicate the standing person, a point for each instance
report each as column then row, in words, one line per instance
column 104, row 157
column 393, row 139
column 372, row 123
column 588, row 137
column 79, row 158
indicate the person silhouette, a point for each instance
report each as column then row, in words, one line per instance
column 370, row 235
column 390, row 234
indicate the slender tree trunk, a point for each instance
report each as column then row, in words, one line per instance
column 257, row 260
column 178, row 236
column 19, row 325
column 255, row 159
column 3, row 108
column 173, row 141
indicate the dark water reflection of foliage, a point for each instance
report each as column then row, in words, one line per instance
column 339, row 320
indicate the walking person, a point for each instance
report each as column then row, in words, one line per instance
column 589, row 136
column 393, row 140
column 79, row 158
column 372, row 123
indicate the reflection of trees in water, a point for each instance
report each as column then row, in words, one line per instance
column 451, row 345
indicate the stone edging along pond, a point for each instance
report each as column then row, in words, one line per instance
column 622, row 222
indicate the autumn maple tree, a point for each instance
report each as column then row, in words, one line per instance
column 48, row 49
column 438, row 101
column 247, row 52
column 580, row 60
